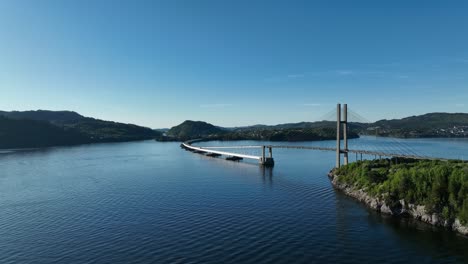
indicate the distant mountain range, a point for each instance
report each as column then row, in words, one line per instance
column 286, row 132
column 44, row 115
column 30, row 129
column 42, row 128
column 428, row 125
column 299, row 125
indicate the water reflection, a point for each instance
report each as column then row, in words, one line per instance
column 267, row 175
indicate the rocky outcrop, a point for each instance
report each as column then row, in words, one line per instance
column 399, row 209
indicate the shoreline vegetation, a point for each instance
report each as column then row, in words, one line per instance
column 435, row 192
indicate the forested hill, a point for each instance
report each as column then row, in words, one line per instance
column 44, row 115
column 23, row 133
column 22, row 129
column 31, row 129
column 299, row 125
column 194, row 129
column 427, row 125
column 288, row 132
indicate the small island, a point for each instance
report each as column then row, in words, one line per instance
column 435, row 192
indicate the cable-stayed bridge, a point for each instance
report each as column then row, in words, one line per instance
column 343, row 116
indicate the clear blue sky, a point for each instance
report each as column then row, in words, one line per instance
column 231, row 63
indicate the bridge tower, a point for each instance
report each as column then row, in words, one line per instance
column 267, row 161
column 341, row 124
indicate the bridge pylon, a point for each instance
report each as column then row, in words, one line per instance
column 341, row 124
column 267, row 161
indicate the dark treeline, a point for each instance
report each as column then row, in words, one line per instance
column 291, row 134
column 197, row 129
column 33, row 134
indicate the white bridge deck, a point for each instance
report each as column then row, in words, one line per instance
column 365, row 152
column 209, row 150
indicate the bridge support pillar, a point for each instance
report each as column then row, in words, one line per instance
column 338, row 135
column 341, row 125
column 267, row 161
column 345, row 133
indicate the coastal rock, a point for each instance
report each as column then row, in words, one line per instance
column 426, row 218
column 402, row 208
column 374, row 204
column 457, row 226
column 417, row 211
column 386, row 209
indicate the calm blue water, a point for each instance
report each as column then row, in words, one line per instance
column 150, row 202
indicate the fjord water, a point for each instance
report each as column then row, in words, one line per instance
column 151, row 202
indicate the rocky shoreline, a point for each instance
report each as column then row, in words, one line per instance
column 400, row 209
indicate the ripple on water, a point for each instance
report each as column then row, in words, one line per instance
column 149, row 202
